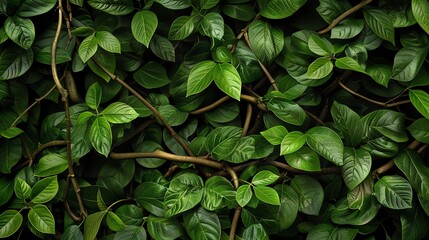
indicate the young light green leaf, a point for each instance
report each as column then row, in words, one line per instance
column 200, row 77
column 10, row 222
column 20, row 30
column 11, row 132
column 93, row 96
column 292, row 142
column 213, row 25
column 118, row 112
column 51, row 164
column 287, row 111
column 275, row 134
column 143, row 26
column 349, row 63
column 264, row 178
column 44, row 190
column 319, row 68
column 266, row 41
column 202, row 224
column 113, row 7
column 320, row 46
column 88, row 47
column 244, row 194
column 101, row 135
column 419, row 129
column 114, row 222
column 348, row 122
column 267, row 195
column 327, row 143
column 394, row 192
column 380, row 23
column 305, row 159
column 255, row 231
column 407, row 63
column 357, row 165
column 227, row 79
column 22, row 189
column 310, row 194
column 181, row 28
column 92, row 224
column 278, row 9
column 420, row 10
column 420, row 100
column 42, row 219
column 108, row 41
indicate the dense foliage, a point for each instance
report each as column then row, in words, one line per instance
column 208, row 119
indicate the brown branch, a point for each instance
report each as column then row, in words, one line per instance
column 315, row 118
column 247, row 120
column 66, row 204
column 211, row 106
column 244, row 30
column 237, row 211
column 257, row 124
column 344, row 15
column 173, row 168
column 167, row 156
column 48, row 145
column 71, row 88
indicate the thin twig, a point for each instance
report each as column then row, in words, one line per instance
column 237, row 211
column 247, row 120
column 211, row 106
column 344, row 15
column 315, row 118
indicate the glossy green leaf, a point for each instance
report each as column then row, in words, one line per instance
column 219, row 193
column 22, row 189
column 264, row 178
column 118, row 112
column 387, row 123
column 200, row 77
column 143, row 26
column 212, row 25
column 92, row 224
column 329, row 231
column 357, row 165
column 243, row 12
column 11, row 132
column 331, row 9
column 207, row 4
column 42, row 219
column 151, row 196
column 51, row 164
column 174, row 4
column 113, row 7
column 420, row 10
column 304, row 159
column 327, row 143
column 164, row 228
column 10, row 222
column 108, row 41
column 181, row 28
column 10, row 154
column 267, row 195
column 131, row 233
column 162, row 48
column 380, row 73
column 348, row 122
column 20, row 30
column 244, row 194
column 93, row 96
column 359, row 197
column 44, row 56
column 420, row 100
column 287, row 111
column 152, row 75
column 342, row 214
column 201, row 224
column 407, row 63
column 14, row 62
column 394, row 192
column 130, row 214
column 419, row 129
column 44, row 190
column 227, row 79
column 6, row 189
column 88, row 47
column 319, row 68
column 114, row 222
column 223, row 114
column 72, row 232
column 348, row 63
column 101, row 135
column 172, row 115
column 414, row 223
column 320, row 46
column 266, row 41
column 292, row 142
column 255, row 231
column 381, row 147
column 310, row 194
column 348, row 28
column 31, row 8
column 380, row 23
column 275, row 134
column 278, row 9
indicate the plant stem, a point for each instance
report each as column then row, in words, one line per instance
column 344, row 16
column 211, row 106
column 247, row 120
column 237, row 211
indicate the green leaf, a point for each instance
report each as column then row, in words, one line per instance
column 267, row 195
column 287, row 111
column 420, row 10
column 207, row 4
column 275, row 134
column 310, row 194
column 320, row 46
column 101, row 135
column 266, row 41
column 348, row 28
column 164, row 228
column 407, row 63
column 172, row 115
column 88, row 47
column 327, row 143
column 20, row 30
column 118, row 112
column 380, row 73
column 348, row 63
column 357, row 165
column 14, row 62
column 28, row 9
column 92, row 224
column 292, row 142
column 243, row 12
column 131, row 233
column 394, row 192
column 255, row 231
column 359, row 197
column 420, row 100
column 414, row 223
column 152, row 75
column 200, row 77
column 419, row 129
column 319, row 68
column 380, row 23
column 244, row 194
column 201, row 224
column 219, row 193
column 114, row 222
column 212, row 25
column 264, row 178
column 385, row 123
column 113, row 7
column 72, row 232
column 162, row 48
column 227, row 79
column 143, row 26
column 11, row 132
column 278, row 9
column 22, row 189
column 108, row 41
column 93, row 96
column 181, row 28
column 108, row 60
column 223, row 114
column 329, row 231
column 42, row 219
column 83, row 31
column 44, row 56
column 174, row 4
column 10, row 154
column 348, row 122
column 151, row 196
column 381, row 147
column 331, row 9
column 10, row 222
column 304, row 159
column 51, row 164
column 130, row 214
column 44, row 190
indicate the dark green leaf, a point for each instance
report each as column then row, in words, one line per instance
column 331, row 9
column 394, row 192
column 113, row 7
column 108, row 41
column 357, row 165
column 172, row 115
column 44, row 190
column 420, row 100
column 380, row 23
column 310, row 194
column 202, row 225
column 219, row 193
column 342, row 214
column 320, row 46
column 255, row 231
column 10, row 153
column 348, row 122
column 131, row 233
column 20, row 30
column 420, row 10
column 88, row 47
column 380, row 73
column 72, row 232
column 31, row 8
column 408, row 62
column 327, row 143
column 329, row 231
column 164, row 228
column 387, row 123
column 212, row 25
column 130, row 214
column 267, row 41
column 118, row 112
column 151, row 196
column 152, row 75
column 14, row 62
column 348, row 28
column 11, row 132
column 162, row 48
column 305, row 159
column 243, row 12
column 277, row 9
column 174, row 4
column 93, row 96
column 419, row 129
column 287, row 111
